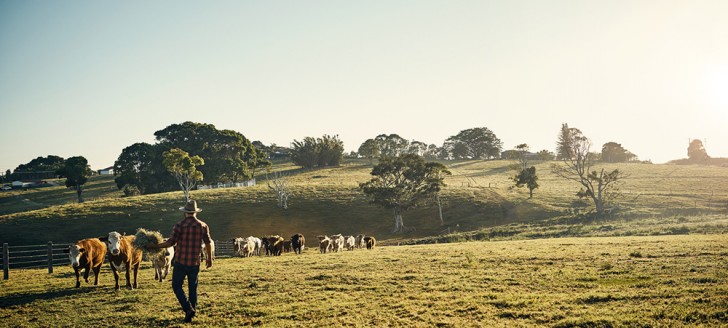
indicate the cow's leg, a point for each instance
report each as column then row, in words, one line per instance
column 156, row 272
column 116, row 277
column 136, row 272
column 78, row 277
column 97, row 271
column 85, row 272
column 128, row 275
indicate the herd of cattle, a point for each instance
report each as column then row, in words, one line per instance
column 89, row 254
column 276, row 245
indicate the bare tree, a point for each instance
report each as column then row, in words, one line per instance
column 599, row 185
column 279, row 184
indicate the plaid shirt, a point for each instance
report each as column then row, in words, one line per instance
column 189, row 234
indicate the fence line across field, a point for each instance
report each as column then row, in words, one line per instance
column 51, row 254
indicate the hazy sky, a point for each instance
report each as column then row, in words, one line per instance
column 92, row 77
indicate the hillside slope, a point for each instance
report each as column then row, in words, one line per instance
column 327, row 201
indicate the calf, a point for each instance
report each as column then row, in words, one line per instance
column 349, row 242
column 298, row 243
column 370, row 241
column 123, row 256
column 266, row 245
column 87, row 254
column 276, row 245
column 287, row 246
column 324, row 244
column 337, row 242
column 162, row 262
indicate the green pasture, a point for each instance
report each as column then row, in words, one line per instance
column 650, row 281
column 478, row 199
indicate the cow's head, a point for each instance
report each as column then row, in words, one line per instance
column 74, row 254
column 113, row 242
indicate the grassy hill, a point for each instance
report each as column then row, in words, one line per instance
column 666, row 198
column 662, row 281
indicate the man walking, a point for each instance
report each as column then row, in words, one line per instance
column 188, row 235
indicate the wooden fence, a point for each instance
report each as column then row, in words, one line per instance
column 51, row 254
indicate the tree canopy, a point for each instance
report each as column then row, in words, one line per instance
column 184, row 168
column 696, row 151
column 475, row 143
column 311, row 152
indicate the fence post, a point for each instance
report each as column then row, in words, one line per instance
column 50, row 257
column 6, row 260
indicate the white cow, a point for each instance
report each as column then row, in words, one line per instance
column 350, row 242
column 338, row 242
column 238, row 246
column 258, row 245
column 247, row 248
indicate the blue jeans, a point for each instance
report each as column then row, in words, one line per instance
column 178, row 278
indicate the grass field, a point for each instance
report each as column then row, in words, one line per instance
column 478, row 201
column 659, row 281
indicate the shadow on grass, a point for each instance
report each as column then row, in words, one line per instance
column 26, row 298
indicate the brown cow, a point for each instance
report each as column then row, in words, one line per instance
column 123, row 256
column 370, row 241
column 324, row 244
column 276, row 245
column 87, row 254
column 298, row 242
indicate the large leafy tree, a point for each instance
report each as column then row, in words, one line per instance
column 184, row 168
column 613, row 152
column 140, row 166
column 369, row 149
column 76, row 171
column 475, row 143
column 404, row 182
column 599, row 185
column 391, row 145
column 228, row 155
column 696, row 151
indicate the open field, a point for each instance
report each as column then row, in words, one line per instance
column 669, row 199
column 669, row 281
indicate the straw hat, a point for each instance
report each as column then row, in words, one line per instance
column 190, row 207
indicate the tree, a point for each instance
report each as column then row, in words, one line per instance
column 475, row 143
column 565, row 142
column 613, row 152
column 545, row 155
column 227, row 154
column 305, row 152
column 600, row 186
column 184, row 168
column 280, row 188
column 697, row 152
column 391, row 145
column 321, row 152
column 140, row 166
column 402, row 183
column 525, row 176
column 76, row 171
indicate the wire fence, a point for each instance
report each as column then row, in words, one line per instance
column 52, row 255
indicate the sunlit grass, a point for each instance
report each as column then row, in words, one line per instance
column 569, row 282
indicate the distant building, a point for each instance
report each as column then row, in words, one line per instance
column 107, row 171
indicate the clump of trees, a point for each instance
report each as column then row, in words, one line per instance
column 697, row 152
column 317, row 152
column 227, row 155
